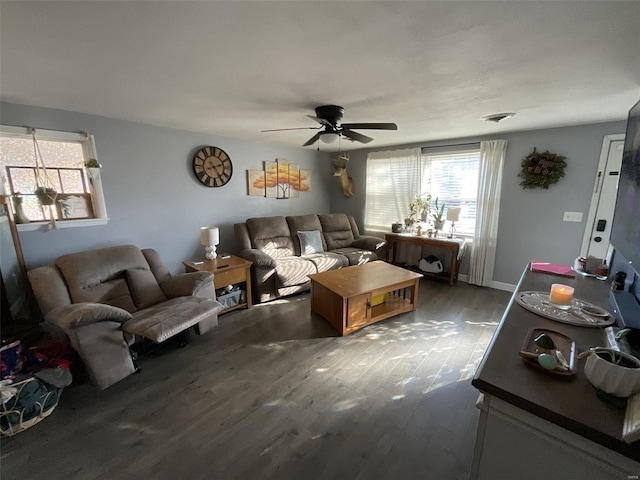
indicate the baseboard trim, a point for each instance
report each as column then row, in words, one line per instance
column 507, row 287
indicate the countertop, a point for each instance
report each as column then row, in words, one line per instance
column 570, row 402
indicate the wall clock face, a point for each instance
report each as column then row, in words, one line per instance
column 212, row 166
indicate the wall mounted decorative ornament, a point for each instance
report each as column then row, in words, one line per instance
column 279, row 179
column 541, row 169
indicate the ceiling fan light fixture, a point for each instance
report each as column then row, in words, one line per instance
column 497, row 117
column 329, row 137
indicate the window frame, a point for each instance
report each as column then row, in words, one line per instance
column 452, row 152
column 88, row 145
column 437, row 151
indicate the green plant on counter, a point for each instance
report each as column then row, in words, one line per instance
column 438, row 211
column 419, row 207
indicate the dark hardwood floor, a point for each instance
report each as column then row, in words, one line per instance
column 274, row 393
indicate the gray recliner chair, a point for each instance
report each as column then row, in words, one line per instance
column 102, row 299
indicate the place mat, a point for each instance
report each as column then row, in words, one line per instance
column 538, row 303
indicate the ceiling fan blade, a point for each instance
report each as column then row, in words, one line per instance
column 371, row 126
column 355, row 136
column 312, row 140
column 321, row 121
column 283, row 129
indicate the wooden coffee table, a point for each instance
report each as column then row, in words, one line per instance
column 349, row 298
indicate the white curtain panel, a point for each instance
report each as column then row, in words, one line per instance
column 483, row 255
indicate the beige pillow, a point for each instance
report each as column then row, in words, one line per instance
column 144, row 288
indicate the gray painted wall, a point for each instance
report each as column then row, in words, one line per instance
column 531, row 226
column 153, row 199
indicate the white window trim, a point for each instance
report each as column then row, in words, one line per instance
column 97, row 195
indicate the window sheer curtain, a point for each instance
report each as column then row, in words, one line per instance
column 483, row 255
column 393, row 178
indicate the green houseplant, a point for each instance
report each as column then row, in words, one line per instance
column 419, row 208
column 92, row 163
column 438, row 214
column 45, row 195
column 612, row 371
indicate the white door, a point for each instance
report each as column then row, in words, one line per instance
column 603, row 202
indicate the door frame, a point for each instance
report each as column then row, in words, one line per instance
column 595, row 196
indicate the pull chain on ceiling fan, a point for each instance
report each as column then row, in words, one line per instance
column 329, row 117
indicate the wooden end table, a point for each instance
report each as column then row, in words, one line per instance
column 228, row 271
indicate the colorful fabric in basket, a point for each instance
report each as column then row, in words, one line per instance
column 16, row 360
column 11, row 360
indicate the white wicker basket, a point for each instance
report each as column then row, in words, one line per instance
column 12, row 419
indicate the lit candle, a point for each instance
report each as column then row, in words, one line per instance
column 561, row 295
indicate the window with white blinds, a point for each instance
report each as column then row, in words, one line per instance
column 393, row 182
column 453, row 179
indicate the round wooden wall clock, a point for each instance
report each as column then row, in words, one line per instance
column 212, row 166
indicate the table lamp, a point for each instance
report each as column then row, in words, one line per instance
column 453, row 215
column 210, row 237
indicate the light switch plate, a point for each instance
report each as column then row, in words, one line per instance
column 572, row 217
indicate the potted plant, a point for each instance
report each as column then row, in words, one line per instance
column 438, row 215
column 419, row 208
column 93, row 168
column 612, row 371
column 45, row 195
column 92, row 163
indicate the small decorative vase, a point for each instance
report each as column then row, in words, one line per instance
column 20, row 216
column 438, row 224
column 620, row 379
column 396, row 227
column 94, row 172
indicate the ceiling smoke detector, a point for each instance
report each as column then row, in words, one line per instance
column 497, row 117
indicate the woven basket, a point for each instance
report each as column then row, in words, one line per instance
column 12, row 417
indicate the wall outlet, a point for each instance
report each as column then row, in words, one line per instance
column 572, row 217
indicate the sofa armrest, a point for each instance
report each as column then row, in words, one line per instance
column 197, row 284
column 258, row 257
column 369, row 242
column 76, row 315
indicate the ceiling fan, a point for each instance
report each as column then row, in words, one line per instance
column 329, row 117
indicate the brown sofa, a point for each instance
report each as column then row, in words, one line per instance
column 281, row 263
column 103, row 299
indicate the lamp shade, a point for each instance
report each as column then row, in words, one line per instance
column 453, row 214
column 209, row 236
column 329, row 137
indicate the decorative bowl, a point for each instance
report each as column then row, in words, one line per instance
column 613, row 378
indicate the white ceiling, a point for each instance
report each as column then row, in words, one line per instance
column 235, row 68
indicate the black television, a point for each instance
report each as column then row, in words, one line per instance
column 625, row 230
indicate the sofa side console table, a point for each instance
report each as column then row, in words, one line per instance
column 455, row 246
column 229, row 271
column 532, row 422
